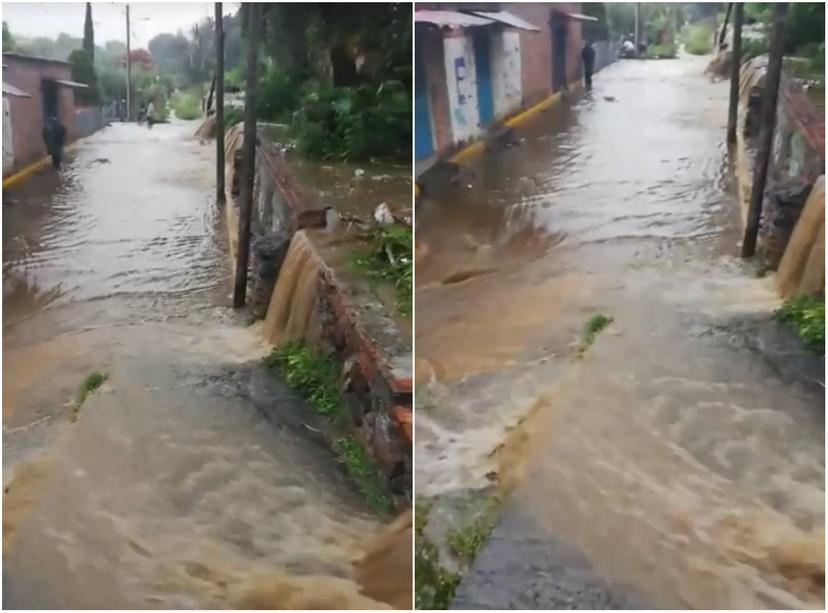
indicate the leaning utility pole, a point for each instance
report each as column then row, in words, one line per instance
column 723, row 31
column 766, row 128
column 735, row 62
column 128, row 71
column 220, row 197
column 248, row 156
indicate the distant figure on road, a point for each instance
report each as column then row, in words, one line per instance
column 588, row 56
column 54, row 135
column 150, row 114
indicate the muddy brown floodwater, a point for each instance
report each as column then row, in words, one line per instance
column 673, row 455
column 193, row 477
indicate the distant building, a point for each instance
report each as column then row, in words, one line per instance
column 476, row 64
column 34, row 88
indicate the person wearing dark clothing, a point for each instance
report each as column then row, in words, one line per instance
column 588, row 57
column 54, row 135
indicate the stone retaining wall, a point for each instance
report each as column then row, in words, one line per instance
column 375, row 356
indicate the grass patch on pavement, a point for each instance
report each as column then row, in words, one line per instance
column 312, row 373
column 91, row 383
column 364, row 472
column 434, row 586
column 806, row 314
column 315, row 375
column 466, row 541
column 389, row 259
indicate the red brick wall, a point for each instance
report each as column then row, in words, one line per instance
column 574, row 42
column 433, row 56
column 27, row 113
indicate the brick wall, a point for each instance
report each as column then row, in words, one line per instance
column 27, row 113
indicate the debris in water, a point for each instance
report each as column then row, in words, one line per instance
column 610, row 98
column 359, row 172
column 383, row 216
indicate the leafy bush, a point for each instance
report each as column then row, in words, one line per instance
column 84, row 72
column 234, row 80
column 354, row 123
column 277, row 97
column 753, row 47
column 662, row 51
column 698, row 38
column 232, row 116
column 187, row 105
column 806, row 314
column 390, row 259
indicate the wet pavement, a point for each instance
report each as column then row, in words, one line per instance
column 674, row 463
column 192, row 478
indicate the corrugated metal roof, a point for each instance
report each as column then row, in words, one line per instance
column 507, row 19
column 450, row 19
column 577, row 16
column 74, row 84
column 11, row 90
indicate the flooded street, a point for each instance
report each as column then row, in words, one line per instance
column 193, row 478
column 675, row 456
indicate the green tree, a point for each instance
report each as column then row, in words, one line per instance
column 89, row 34
column 8, row 39
column 84, row 72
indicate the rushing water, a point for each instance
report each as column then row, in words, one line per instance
column 193, row 478
column 672, row 455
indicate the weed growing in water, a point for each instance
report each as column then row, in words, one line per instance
column 91, row 383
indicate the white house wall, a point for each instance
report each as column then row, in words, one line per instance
column 504, row 48
column 461, row 80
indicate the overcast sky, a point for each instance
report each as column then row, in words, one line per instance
column 147, row 18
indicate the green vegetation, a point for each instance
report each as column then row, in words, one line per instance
column 364, row 472
column 698, row 38
column 353, row 123
column 390, row 259
column 84, row 72
column 665, row 51
column 806, row 314
column 434, row 586
column 316, row 376
column 91, row 383
column 186, row 104
column 590, row 332
column 466, row 541
column 8, row 39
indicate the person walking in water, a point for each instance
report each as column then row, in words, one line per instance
column 588, row 57
column 54, row 135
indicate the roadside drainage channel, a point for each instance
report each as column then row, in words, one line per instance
column 336, row 309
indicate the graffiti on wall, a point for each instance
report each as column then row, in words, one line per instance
column 462, row 90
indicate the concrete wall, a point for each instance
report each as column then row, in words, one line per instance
column 535, row 51
column 507, row 85
column 88, row 121
column 605, row 53
column 430, row 41
column 27, row 113
column 458, row 50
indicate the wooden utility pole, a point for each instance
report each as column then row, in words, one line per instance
column 220, row 197
column 637, row 25
column 766, row 128
column 128, row 72
column 735, row 64
column 248, row 155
